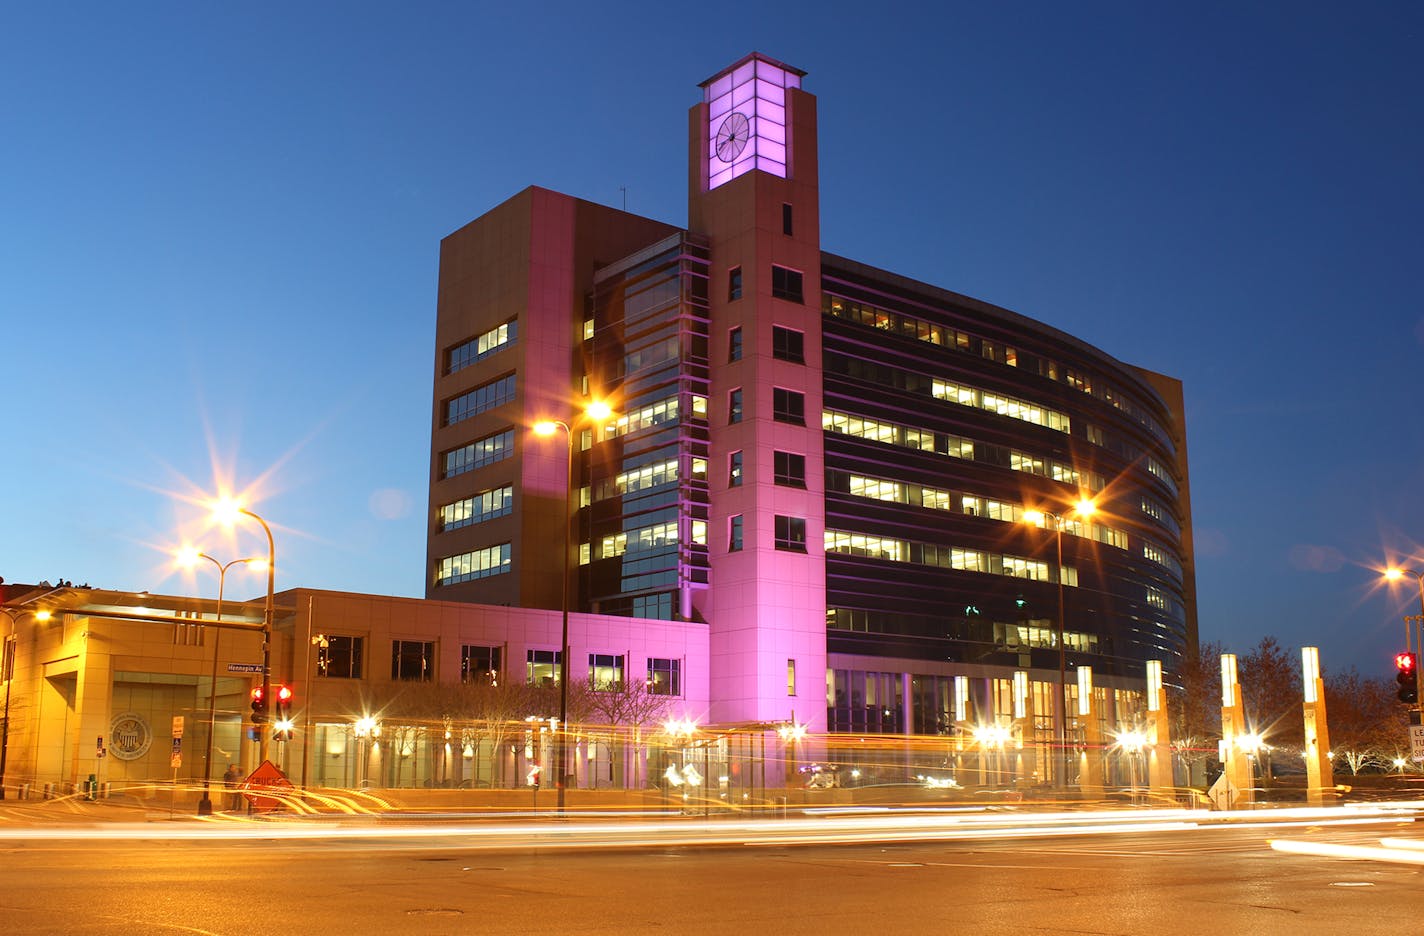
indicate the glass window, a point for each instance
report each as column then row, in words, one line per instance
column 479, row 664
column 485, row 505
column 605, row 672
column 542, row 667
column 476, row 564
column 788, row 406
column 734, row 284
column 496, row 339
column 485, row 451
column 790, row 677
column 786, row 284
column 786, row 218
column 791, row 533
column 787, row 344
column 412, row 660
column 734, row 344
column 734, row 539
column 734, row 406
column 340, row 657
column 664, row 677
column 484, row 397
column 734, row 470
column 790, row 469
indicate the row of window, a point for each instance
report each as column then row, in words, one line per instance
column 959, row 447
column 343, row 657
column 947, row 557
column 484, row 397
column 467, row 353
column 483, row 451
column 998, row 403
column 937, row 499
column 485, row 505
column 915, row 328
column 476, row 564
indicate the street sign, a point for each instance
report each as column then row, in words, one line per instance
column 1222, row 794
column 267, row 776
column 177, row 726
column 1416, row 742
column 244, row 667
column 177, row 745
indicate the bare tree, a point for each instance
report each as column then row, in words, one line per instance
column 1367, row 724
column 1272, row 694
column 1196, row 710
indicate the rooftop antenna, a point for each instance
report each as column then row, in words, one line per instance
column 624, row 190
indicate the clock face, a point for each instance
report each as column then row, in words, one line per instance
column 732, row 137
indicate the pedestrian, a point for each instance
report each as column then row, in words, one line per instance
column 231, row 779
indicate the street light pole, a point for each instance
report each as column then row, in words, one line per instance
column 205, row 805
column 228, row 510
column 547, row 427
column 1083, row 509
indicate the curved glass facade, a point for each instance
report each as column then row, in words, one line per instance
column 960, row 440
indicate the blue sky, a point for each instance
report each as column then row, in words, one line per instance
column 219, row 232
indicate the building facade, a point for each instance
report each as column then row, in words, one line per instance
column 860, row 486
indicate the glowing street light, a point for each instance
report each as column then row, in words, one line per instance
column 228, row 512
column 1084, row 509
column 8, row 652
column 188, row 557
column 597, row 411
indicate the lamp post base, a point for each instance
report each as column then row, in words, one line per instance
column 205, row 805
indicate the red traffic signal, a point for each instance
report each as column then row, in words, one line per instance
column 1408, row 680
column 284, row 702
column 259, row 706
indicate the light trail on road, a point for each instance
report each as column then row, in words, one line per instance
column 852, row 829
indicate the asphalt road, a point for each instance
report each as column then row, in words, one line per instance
column 1196, row 881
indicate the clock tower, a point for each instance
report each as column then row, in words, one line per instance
column 752, row 192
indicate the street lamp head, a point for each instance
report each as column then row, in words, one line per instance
column 546, row 427
column 226, row 511
column 1393, row 574
column 598, row 410
column 1085, row 507
column 188, row 556
column 43, row 615
column 1036, row 517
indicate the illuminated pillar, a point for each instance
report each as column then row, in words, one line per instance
column 1318, row 771
column 1159, row 738
column 1234, row 758
column 1090, row 763
column 961, row 719
column 1023, row 724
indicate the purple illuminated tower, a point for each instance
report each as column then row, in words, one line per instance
column 766, row 604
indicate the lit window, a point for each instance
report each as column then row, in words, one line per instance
column 664, row 677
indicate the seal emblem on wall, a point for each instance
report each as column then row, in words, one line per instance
column 129, row 736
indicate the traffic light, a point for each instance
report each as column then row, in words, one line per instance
column 259, row 706
column 1407, row 677
column 284, row 703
